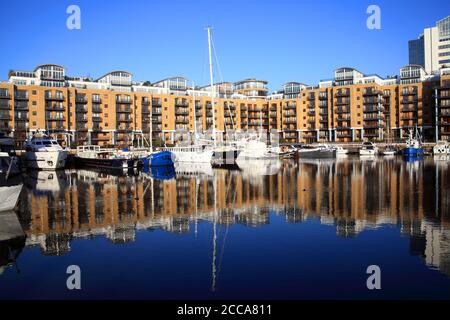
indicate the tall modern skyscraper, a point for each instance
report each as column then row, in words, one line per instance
column 416, row 51
column 432, row 49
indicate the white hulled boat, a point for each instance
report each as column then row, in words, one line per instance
column 254, row 149
column 10, row 181
column 368, row 149
column 196, row 153
column 441, row 148
column 340, row 150
column 9, row 187
column 44, row 153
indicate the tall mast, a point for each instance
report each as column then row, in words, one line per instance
column 195, row 110
column 213, row 89
column 150, row 131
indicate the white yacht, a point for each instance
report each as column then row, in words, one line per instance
column 44, row 153
column 368, row 149
column 340, row 150
column 197, row 153
column 254, row 149
column 442, row 147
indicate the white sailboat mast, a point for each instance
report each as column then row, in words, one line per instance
column 213, row 89
column 150, row 128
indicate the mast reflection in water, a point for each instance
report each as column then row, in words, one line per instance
column 305, row 230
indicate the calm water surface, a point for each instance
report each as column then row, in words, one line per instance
column 284, row 230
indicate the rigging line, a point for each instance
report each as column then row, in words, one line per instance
column 217, row 61
column 221, row 81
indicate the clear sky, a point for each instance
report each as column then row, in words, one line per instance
column 278, row 41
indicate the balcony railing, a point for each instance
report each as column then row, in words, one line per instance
column 370, row 92
column 123, row 100
column 21, row 105
column 123, row 109
column 290, row 106
column 342, row 93
column 55, row 97
column 21, row 95
column 342, row 110
column 4, row 105
column 4, row 95
column 5, row 116
column 55, row 119
column 54, row 107
column 181, row 112
column 81, row 109
column 81, row 99
column 323, row 96
column 342, row 102
column 124, row 119
column 181, row 103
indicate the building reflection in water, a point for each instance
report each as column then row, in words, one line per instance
column 351, row 194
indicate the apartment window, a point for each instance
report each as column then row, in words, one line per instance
column 34, row 113
column 34, row 103
column 106, row 124
column 106, row 106
column 34, row 123
column 33, row 92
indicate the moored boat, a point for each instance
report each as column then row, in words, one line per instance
column 192, row 154
column 413, row 145
column 341, row 151
column 389, row 151
column 317, row 152
column 10, row 183
column 44, row 153
column 368, row 149
column 96, row 157
column 441, row 147
column 160, row 159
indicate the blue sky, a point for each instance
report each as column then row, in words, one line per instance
column 279, row 41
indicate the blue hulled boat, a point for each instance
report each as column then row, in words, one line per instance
column 413, row 146
column 159, row 159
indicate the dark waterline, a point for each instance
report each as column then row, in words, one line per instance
column 308, row 230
